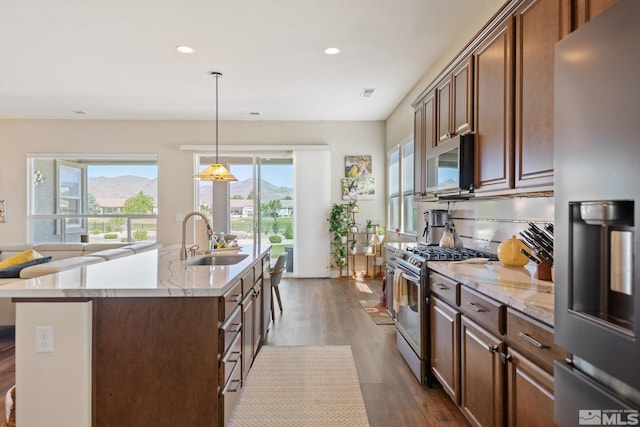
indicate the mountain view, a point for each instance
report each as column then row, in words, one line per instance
column 130, row 185
column 122, row 186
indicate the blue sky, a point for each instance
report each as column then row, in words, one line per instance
column 118, row 170
column 279, row 175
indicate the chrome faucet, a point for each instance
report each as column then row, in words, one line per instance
column 183, row 249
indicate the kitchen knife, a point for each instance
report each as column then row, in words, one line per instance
column 531, row 257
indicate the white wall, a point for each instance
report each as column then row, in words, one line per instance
column 175, row 167
column 400, row 122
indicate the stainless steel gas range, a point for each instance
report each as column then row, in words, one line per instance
column 407, row 267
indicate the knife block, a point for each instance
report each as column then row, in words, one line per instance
column 543, row 271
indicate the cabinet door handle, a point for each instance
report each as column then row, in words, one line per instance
column 475, row 307
column 235, row 298
column 532, row 341
column 228, row 358
column 228, row 389
column 492, row 348
column 234, row 327
column 441, row 286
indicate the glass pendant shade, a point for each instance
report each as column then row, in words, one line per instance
column 215, row 171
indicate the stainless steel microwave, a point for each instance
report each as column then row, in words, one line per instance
column 450, row 165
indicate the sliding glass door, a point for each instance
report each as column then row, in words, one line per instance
column 259, row 207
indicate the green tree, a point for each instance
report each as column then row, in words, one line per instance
column 250, row 196
column 237, row 197
column 138, row 204
column 93, row 207
column 272, row 209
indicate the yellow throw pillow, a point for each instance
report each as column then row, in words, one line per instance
column 20, row 258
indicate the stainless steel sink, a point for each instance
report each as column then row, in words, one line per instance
column 218, row 259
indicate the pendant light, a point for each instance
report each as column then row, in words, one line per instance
column 216, row 171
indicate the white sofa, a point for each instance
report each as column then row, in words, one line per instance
column 64, row 256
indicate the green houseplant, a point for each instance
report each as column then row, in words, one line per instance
column 339, row 219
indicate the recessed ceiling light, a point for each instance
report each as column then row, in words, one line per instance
column 332, row 51
column 185, row 49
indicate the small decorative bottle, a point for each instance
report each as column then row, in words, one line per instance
column 222, row 243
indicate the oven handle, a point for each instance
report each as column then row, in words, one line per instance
column 411, row 277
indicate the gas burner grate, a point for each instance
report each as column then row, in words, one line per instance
column 436, row 253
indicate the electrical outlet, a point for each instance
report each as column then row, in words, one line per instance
column 44, row 339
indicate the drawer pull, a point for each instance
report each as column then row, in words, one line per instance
column 492, row 348
column 228, row 389
column 235, row 298
column 532, row 341
column 476, row 307
column 234, row 327
column 228, row 358
column 441, row 286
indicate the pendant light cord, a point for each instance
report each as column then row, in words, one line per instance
column 217, row 75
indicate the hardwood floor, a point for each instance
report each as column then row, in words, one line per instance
column 7, row 368
column 329, row 312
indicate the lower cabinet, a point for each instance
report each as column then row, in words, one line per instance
column 445, row 347
column 481, row 375
column 495, row 363
column 529, row 392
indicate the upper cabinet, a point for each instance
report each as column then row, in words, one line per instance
column 585, row 10
column 454, row 102
column 501, row 87
column 493, row 62
column 540, row 24
column 424, row 138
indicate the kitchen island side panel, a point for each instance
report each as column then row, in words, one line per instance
column 155, row 362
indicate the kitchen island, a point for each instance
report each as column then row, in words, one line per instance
column 142, row 340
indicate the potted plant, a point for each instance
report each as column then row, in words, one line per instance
column 339, row 218
column 353, row 226
column 353, row 206
column 369, row 226
column 352, row 247
column 380, row 234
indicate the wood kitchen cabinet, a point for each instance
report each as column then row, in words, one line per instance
column 529, row 392
column 454, row 102
column 424, row 138
column 482, row 375
column 493, row 111
column 586, row 10
column 539, row 25
column 445, row 347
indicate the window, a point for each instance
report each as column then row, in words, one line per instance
column 402, row 212
column 393, row 181
column 84, row 198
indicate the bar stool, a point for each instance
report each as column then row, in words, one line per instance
column 276, row 275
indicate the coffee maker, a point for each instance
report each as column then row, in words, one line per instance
column 435, row 222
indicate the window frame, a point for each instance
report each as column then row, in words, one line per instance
column 405, row 189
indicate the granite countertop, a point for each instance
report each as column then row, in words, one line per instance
column 516, row 287
column 155, row 273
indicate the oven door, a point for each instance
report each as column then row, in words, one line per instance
column 409, row 311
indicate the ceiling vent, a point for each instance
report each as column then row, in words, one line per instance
column 367, row 92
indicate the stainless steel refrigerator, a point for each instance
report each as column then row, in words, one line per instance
column 597, row 204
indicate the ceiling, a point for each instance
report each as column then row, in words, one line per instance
column 117, row 59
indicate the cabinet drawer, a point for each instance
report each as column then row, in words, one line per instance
column 533, row 339
column 231, row 357
column 230, row 300
column 229, row 329
column 487, row 312
column 229, row 394
column 248, row 280
column 447, row 289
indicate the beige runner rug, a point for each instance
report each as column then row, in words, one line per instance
column 301, row 386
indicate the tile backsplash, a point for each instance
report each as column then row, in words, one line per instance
column 483, row 224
